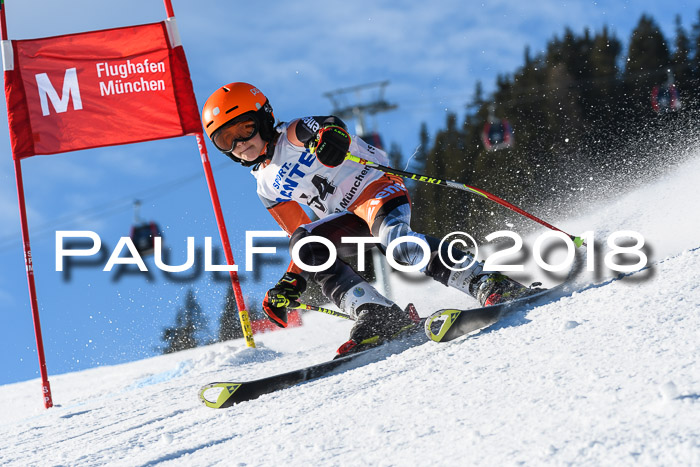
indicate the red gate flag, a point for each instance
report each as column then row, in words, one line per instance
column 96, row 89
column 100, row 88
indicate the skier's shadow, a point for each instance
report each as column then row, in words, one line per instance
column 519, row 317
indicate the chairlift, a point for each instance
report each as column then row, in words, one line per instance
column 665, row 98
column 143, row 233
column 497, row 133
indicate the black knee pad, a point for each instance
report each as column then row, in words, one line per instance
column 313, row 253
column 436, row 268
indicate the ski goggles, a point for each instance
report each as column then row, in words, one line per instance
column 235, row 131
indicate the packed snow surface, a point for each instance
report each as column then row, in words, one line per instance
column 606, row 374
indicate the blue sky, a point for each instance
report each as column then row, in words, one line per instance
column 432, row 52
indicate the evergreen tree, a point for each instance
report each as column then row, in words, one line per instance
column 395, row 156
column 254, row 309
column 680, row 60
column 605, row 100
column 605, row 81
column 418, row 159
column 567, row 66
column 422, row 201
column 422, row 151
column 441, row 162
column 188, row 321
column 474, row 106
column 695, row 49
column 648, row 60
column 574, row 111
column 229, row 322
column 443, row 211
column 695, row 43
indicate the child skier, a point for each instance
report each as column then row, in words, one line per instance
column 303, row 162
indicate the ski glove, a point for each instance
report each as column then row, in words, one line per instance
column 283, row 295
column 332, row 144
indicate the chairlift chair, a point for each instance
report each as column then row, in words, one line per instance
column 665, row 98
column 497, row 134
column 143, row 233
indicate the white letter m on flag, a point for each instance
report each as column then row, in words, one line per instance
column 70, row 87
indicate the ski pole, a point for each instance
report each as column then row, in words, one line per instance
column 578, row 241
column 328, row 311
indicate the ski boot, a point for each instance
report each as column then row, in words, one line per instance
column 494, row 288
column 375, row 325
column 469, row 277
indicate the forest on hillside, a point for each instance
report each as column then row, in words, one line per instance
column 580, row 119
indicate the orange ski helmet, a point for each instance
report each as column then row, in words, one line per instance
column 238, row 101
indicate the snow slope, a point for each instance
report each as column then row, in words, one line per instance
column 605, row 375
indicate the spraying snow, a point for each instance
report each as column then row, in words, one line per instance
column 604, row 375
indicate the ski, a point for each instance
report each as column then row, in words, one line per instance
column 441, row 326
column 449, row 324
column 233, row 392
